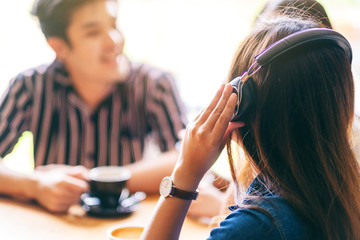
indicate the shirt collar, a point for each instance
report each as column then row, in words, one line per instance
column 257, row 188
column 61, row 74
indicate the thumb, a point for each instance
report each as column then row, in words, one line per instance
column 79, row 172
column 231, row 127
column 75, row 184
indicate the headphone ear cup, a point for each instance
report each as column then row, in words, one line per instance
column 246, row 100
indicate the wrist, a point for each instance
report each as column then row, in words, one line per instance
column 31, row 186
column 185, row 181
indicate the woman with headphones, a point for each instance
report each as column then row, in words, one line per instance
column 294, row 108
column 315, row 10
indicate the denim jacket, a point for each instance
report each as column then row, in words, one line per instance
column 248, row 223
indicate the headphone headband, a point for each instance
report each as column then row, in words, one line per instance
column 245, row 87
column 301, row 38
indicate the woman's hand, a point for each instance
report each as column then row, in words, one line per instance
column 205, row 138
column 202, row 144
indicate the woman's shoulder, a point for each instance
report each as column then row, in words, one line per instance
column 270, row 218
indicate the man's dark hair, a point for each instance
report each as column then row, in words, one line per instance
column 55, row 15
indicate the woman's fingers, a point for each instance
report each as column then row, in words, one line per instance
column 199, row 115
column 223, row 120
column 223, row 110
column 208, row 110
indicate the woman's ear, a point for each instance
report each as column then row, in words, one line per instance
column 60, row 47
column 231, row 127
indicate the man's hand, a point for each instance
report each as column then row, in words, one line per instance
column 58, row 187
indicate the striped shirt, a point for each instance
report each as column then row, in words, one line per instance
column 43, row 101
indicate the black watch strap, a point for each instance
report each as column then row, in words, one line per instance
column 184, row 194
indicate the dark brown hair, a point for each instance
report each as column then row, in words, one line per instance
column 305, row 8
column 55, row 15
column 298, row 135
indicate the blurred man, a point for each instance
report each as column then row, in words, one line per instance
column 90, row 107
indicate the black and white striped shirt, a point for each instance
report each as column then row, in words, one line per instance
column 65, row 131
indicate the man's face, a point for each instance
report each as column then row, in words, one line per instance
column 96, row 46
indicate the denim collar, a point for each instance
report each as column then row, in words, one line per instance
column 257, row 188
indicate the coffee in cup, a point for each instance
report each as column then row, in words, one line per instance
column 107, row 183
column 124, row 232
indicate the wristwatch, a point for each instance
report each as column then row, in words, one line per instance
column 168, row 189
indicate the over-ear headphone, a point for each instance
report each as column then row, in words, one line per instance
column 245, row 87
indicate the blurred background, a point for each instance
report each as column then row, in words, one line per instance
column 193, row 39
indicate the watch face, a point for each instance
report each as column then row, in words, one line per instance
column 165, row 187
